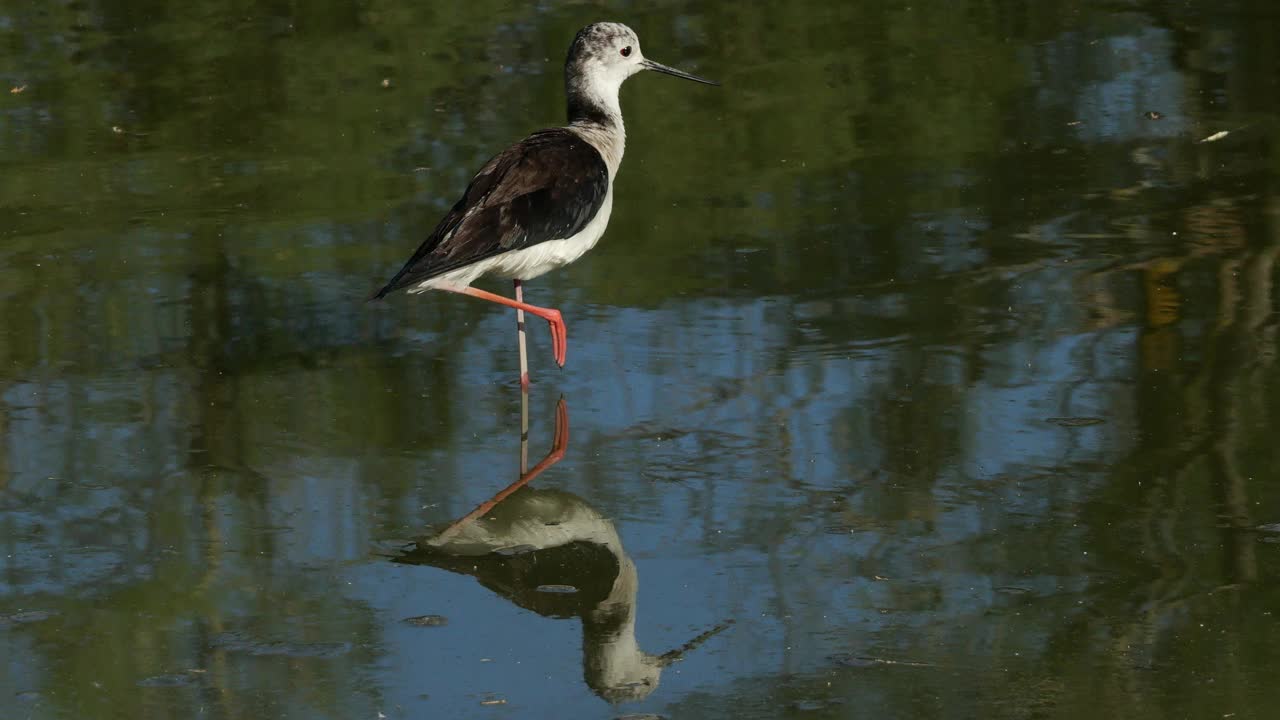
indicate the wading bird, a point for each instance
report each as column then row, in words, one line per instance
column 543, row 202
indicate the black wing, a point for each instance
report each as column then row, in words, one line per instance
column 545, row 187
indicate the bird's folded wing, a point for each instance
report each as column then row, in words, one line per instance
column 546, row 187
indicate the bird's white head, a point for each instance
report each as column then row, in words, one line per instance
column 602, row 56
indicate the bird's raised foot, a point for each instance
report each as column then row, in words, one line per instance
column 559, row 335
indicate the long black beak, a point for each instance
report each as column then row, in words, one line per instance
column 648, row 64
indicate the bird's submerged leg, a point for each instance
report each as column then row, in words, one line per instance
column 559, row 443
column 524, row 355
column 559, row 336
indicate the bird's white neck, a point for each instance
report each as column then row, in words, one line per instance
column 596, row 115
column 610, row 140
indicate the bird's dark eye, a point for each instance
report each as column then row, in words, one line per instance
column 626, row 51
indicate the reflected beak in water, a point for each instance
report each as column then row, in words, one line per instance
column 678, row 654
column 668, row 70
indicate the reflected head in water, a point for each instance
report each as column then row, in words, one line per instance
column 551, row 552
column 545, row 201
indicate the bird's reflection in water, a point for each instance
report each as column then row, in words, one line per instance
column 551, row 552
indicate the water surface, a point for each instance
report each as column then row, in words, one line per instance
column 928, row 367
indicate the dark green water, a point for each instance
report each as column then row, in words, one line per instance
column 932, row 360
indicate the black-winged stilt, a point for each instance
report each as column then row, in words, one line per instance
column 543, row 202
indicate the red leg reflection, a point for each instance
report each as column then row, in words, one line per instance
column 558, row 445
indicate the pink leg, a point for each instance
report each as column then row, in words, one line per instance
column 558, row 445
column 559, row 336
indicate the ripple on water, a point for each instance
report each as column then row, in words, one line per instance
column 22, row 617
column 1075, row 421
column 183, row 679
column 427, row 621
column 562, row 589
column 231, row 642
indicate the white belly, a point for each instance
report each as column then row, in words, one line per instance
column 530, row 262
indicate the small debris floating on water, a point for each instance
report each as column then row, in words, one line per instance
column 427, row 621
column 1216, row 136
column 493, row 701
column 1153, row 115
column 17, row 89
column 565, row 589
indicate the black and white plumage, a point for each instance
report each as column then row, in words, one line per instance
column 545, row 201
column 547, row 188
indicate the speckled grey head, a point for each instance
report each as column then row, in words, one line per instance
column 601, row 57
column 602, row 45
